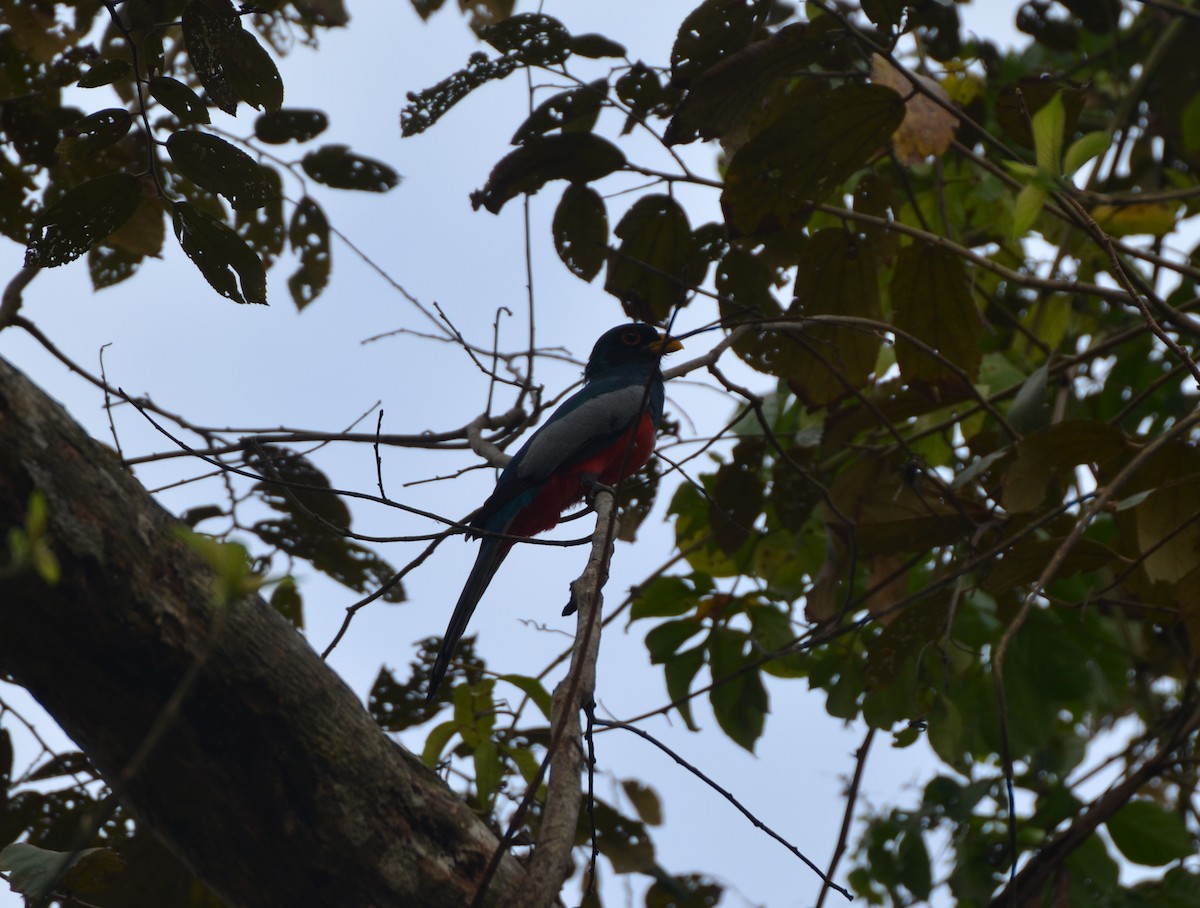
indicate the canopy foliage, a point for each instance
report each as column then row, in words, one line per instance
column 961, row 504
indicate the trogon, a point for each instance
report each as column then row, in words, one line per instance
column 599, row 435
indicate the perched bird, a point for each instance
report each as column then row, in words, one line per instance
column 599, row 435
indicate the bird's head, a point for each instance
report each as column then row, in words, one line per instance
column 634, row 344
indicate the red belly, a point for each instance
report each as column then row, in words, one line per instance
column 626, row 456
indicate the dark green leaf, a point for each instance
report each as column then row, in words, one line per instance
column 179, row 99
column 290, row 124
column 574, row 110
column 931, row 300
column 339, row 167
column 209, row 30
column 913, row 859
column 714, row 30
column 623, row 841
column 884, row 13
column 314, row 522
column 263, row 228
column 689, row 891
column 230, row 62
column 663, row 641
column 64, row 764
column 595, row 46
column 773, row 631
column 819, row 138
column 108, row 265
column 736, row 497
column 580, row 231
column 32, row 871
column 253, row 73
column 744, row 284
column 286, row 600
column 220, row 254
column 1042, row 456
column 309, row 236
column 905, row 637
column 532, row 688
column 1147, row 833
column 220, row 167
column 649, row 271
column 104, row 72
column 1167, row 529
column 86, row 214
column 738, row 698
column 666, row 596
column 836, row 275
column 578, row 157
column 642, row 91
column 94, row 132
column 645, row 801
column 680, row 670
column 741, row 88
column 1019, row 101
column 427, row 107
column 531, row 39
column 396, row 707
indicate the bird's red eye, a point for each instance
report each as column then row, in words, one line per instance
column 631, row 337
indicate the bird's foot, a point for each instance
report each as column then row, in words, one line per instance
column 592, row 486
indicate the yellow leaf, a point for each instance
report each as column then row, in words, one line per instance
column 927, row 129
column 1153, row 218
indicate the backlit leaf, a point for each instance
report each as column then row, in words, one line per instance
column 86, row 214
column 739, row 699
column 574, row 110
column 580, row 231
column 578, row 157
column 837, row 274
column 220, row 167
column 289, row 124
column 818, row 139
column 532, row 39
column 94, row 132
column 104, row 72
column 648, row 272
column 339, row 167
column 714, row 30
column 931, row 299
column 179, row 99
column 1148, row 833
column 308, row 234
column 221, row 255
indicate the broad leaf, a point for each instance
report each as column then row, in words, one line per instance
column 931, row 300
column 339, row 167
column 580, row 231
column 1148, row 833
column 817, row 139
column 289, row 124
column 179, row 99
column 220, row 167
column 649, row 271
column 308, row 234
column 574, row 110
column 86, row 214
column 221, row 255
column 836, row 275
column 578, row 157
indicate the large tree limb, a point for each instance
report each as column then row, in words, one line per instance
column 271, row 782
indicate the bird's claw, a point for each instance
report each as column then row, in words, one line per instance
column 592, row 486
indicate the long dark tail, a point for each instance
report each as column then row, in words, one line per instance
column 491, row 553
